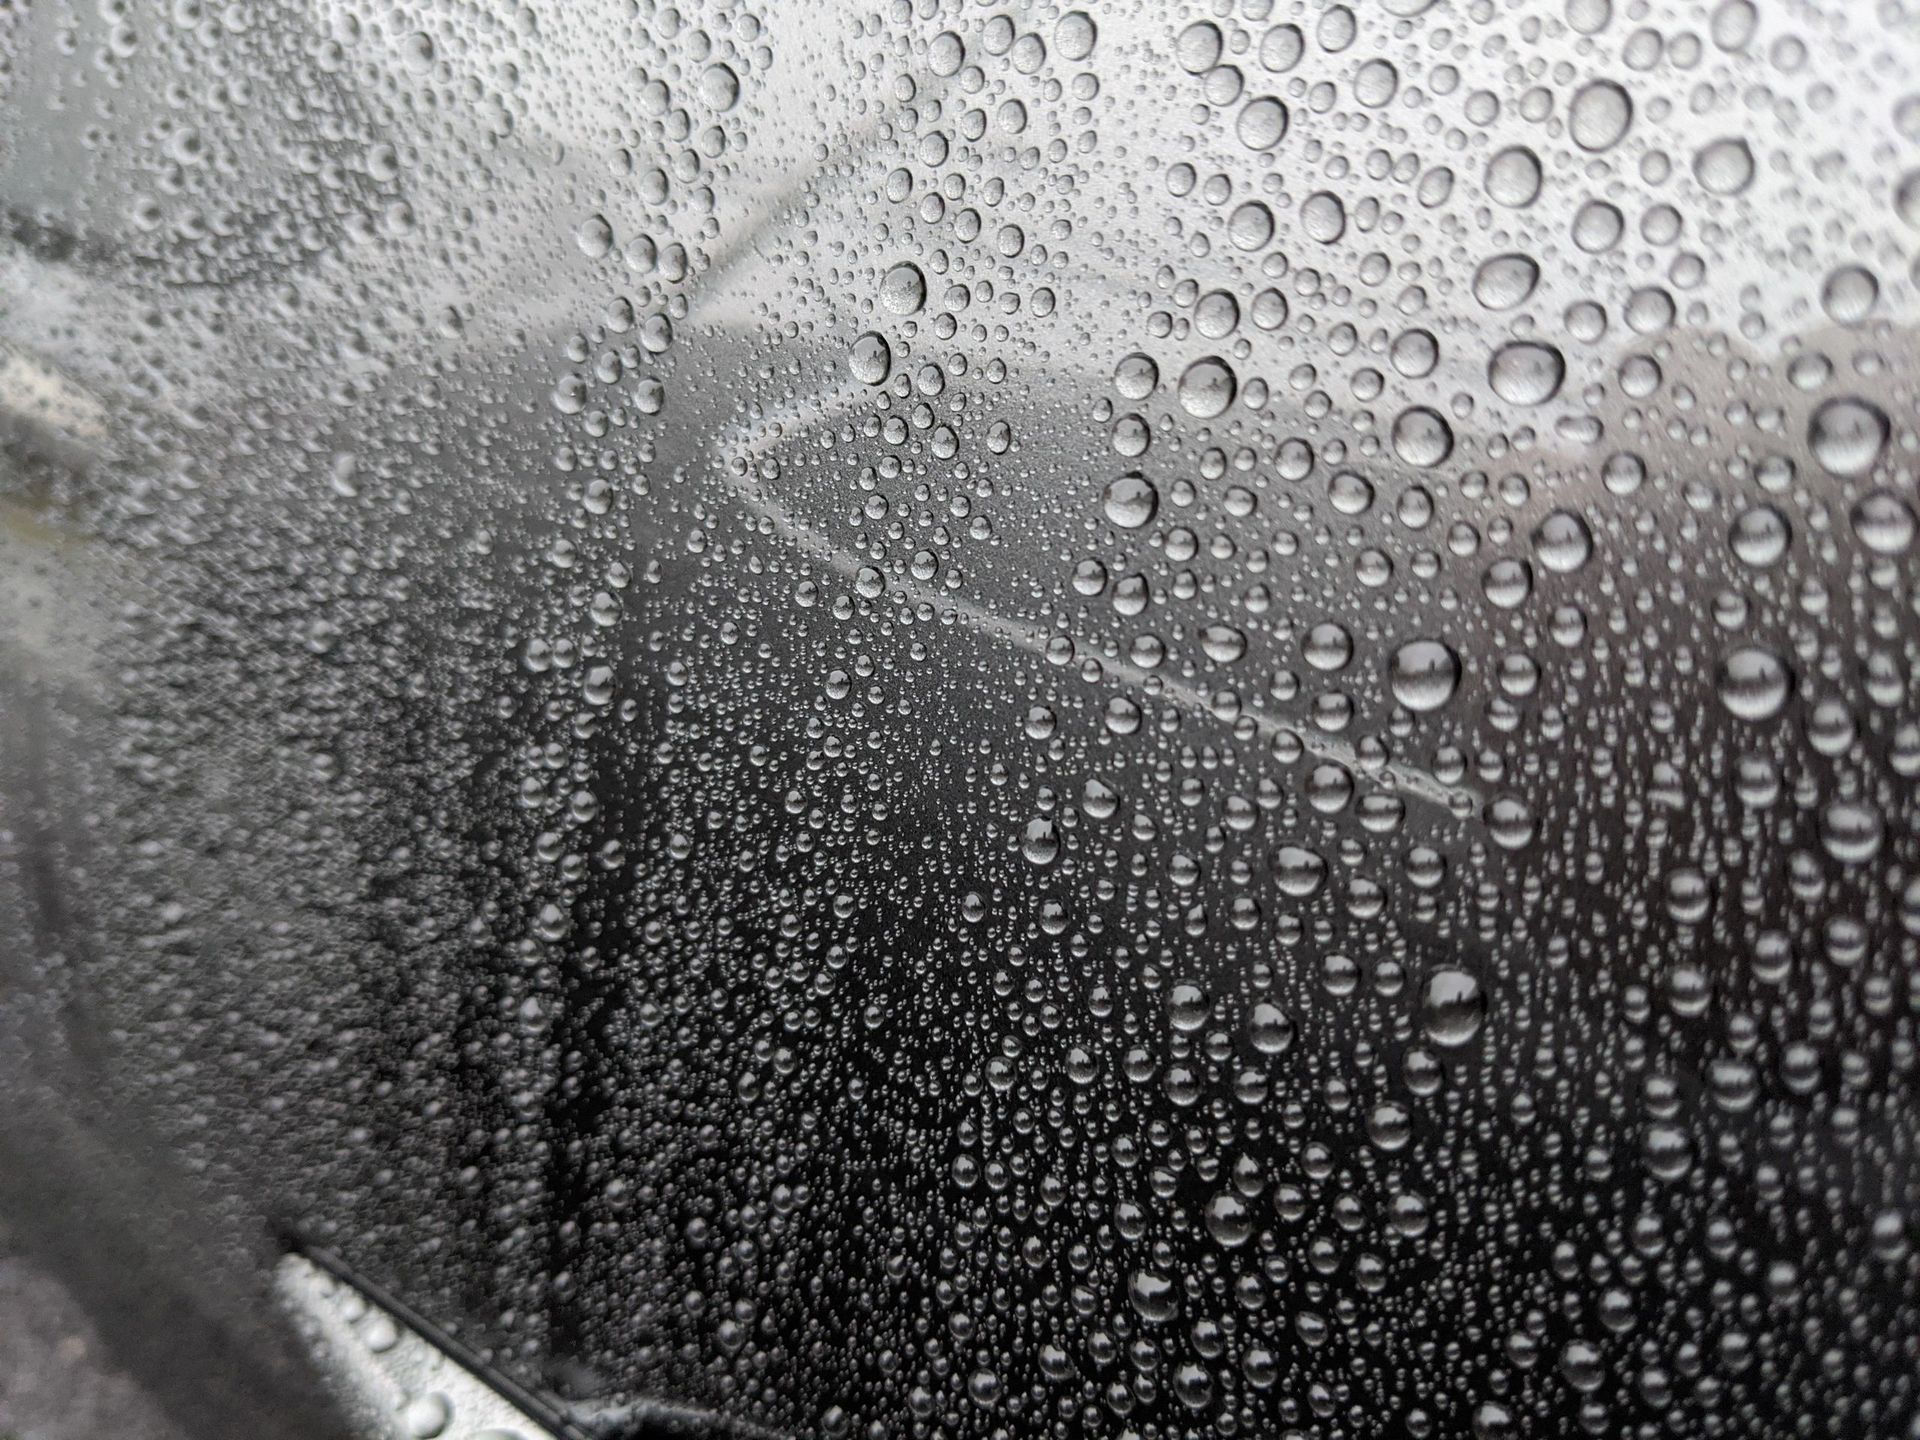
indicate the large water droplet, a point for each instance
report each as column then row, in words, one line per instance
column 1753, row 683
column 1884, row 522
column 1421, row 437
column 870, row 359
column 1424, row 674
column 1847, row 435
column 1562, row 542
column 1207, row 388
column 1513, row 177
column 1724, row 167
column 1452, row 1008
column 1131, row 501
column 903, row 289
column 1526, row 372
column 1599, row 115
column 1505, row 281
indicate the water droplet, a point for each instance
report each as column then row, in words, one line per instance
column 1724, row 167
column 1753, row 683
column 1188, row 1007
column 1421, row 438
column 1075, row 36
column 1131, row 501
column 1906, row 198
column 1526, row 372
column 1598, row 226
column 1599, row 116
column 1759, row 536
column 1323, row 217
column 903, row 289
column 1389, row 1126
column 870, row 359
column 594, row 237
column 1562, row 542
column 1513, row 177
column 1040, row 842
column 1207, row 387
column 1509, row 822
column 1228, row 1219
column 1505, row 281
column 1198, row 47
column 1847, row 435
column 1424, row 674
column 1223, row 644
column 1884, row 522
column 1849, row 294
column 720, row 87
column 1269, row 1029
column 1250, row 226
column 425, row 1416
column 1262, row 123
column 1452, row 1008
column 1216, row 315
column 1281, row 48
column 1507, row 582
column 946, row 53
column 1153, row 1296
column 1135, row 376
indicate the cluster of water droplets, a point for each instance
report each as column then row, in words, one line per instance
column 1011, row 721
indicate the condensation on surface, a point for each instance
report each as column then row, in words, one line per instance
column 396, row 1384
column 994, row 720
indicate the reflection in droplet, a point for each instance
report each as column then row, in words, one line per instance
column 425, row 1416
column 1513, row 177
column 1424, row 674
column 1724, row 167
column 1452, row 1008
column 1262, row 124
column 594, row 237
column 1849, row 294
column 870, row 359
column 1421, row 437
column 1847, row 435
column 1562, row 542
column 1599, row 115
column 1884, row 522
column 903, row 289
column 1505, row 281
column 1753, row 683
column 1526, row 372
column 1131, row 501
column 1198, row 47
column 1207, row 387
column 1135, row 376
column 1250, row 226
